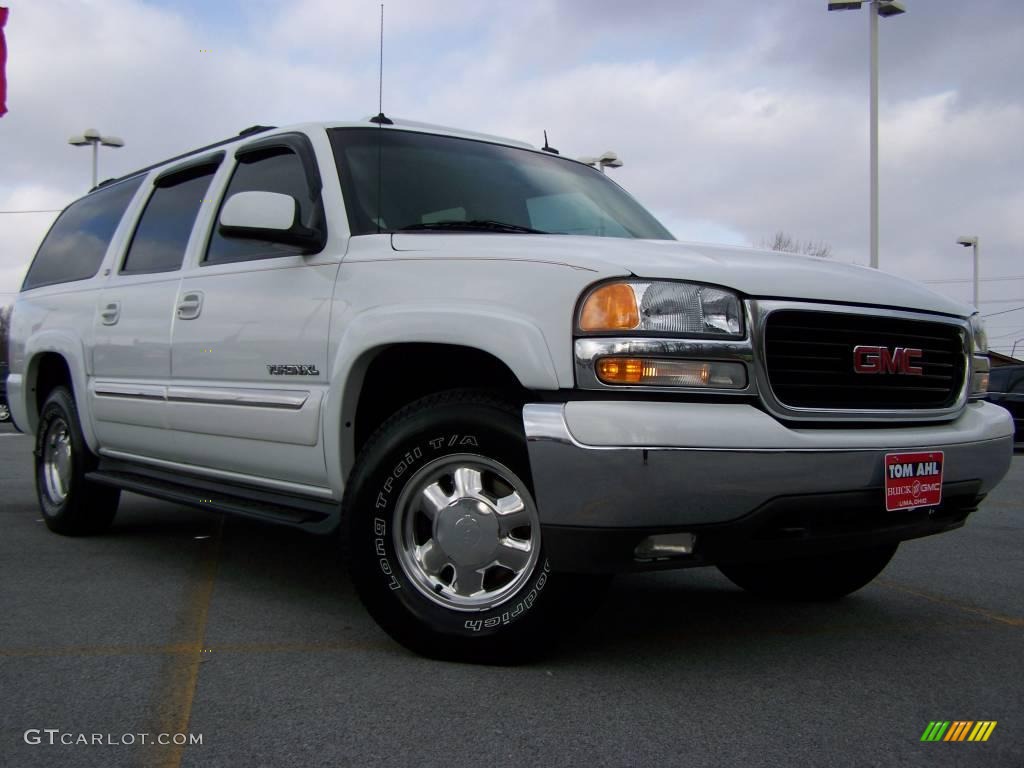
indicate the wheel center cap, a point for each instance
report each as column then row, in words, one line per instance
column 468, row 532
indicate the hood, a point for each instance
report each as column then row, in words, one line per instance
column 756, row 273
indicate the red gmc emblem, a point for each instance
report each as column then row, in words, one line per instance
column 880, row 360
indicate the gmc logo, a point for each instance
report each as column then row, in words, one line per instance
column 880, row 360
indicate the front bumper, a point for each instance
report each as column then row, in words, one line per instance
column 607, row 474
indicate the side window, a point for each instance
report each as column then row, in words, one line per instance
column 1017, row 387
column 274, row 170
column 76, row 243
column 159, row 242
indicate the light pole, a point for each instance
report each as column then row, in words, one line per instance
column 607, row 160
column 1015, row 343
column 883, row 8
column 92, row 136
column 972, row 242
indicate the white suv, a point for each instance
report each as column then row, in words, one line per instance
column 493, row 374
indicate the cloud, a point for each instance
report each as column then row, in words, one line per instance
column 734, row 119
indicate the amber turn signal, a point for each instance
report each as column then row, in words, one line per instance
column 671, row 373
column 620, row 370
column 611, row 307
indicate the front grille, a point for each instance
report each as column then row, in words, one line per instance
column 809, row 361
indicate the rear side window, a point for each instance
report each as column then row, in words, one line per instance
column 275, row 170
column 161, row 237
column 76, row 243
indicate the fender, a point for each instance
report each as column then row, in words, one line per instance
column 72, row 349
column 511, row 338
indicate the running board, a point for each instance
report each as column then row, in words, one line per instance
column 204, row 493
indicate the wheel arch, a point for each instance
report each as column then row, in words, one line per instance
column 51, row 360
column 501, row 351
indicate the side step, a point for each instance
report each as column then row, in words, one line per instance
column 204, row 493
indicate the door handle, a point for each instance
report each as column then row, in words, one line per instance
column 110, row 314
column 191, row 305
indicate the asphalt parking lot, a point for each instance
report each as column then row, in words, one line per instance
column 250, row 636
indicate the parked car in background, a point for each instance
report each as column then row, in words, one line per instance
column 1006, row 388
column 5, row 412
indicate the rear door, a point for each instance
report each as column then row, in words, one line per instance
column 249, row 346
column 131, row 351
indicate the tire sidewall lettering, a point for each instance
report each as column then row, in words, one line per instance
column 508, row 615
column 385, row 495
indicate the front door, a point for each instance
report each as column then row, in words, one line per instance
column 249, row 348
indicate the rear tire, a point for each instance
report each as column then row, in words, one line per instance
column 443, row 537
column 5, row 413
column 825, row 577
column 71, row 505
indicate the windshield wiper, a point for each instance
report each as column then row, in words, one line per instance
column 473, row 225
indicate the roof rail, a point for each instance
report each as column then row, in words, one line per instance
column 256, row 129
column 251, row 131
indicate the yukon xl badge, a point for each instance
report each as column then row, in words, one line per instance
column 292, row 370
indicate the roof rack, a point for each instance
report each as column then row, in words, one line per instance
column 256, row 129
column 250, row 131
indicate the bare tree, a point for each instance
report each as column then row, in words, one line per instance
column 786, row 243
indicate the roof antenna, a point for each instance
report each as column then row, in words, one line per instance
column 547, row 147
column 381, row 118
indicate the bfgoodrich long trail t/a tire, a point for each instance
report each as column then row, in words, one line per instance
column 443, row 535
column 71, row 505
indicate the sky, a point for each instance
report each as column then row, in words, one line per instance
column 734, row 118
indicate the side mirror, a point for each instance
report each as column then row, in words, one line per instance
column 269, row 216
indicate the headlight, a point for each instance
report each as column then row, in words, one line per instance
column 679, row 309
column 979, row 334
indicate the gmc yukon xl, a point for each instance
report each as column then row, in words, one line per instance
column 493, row 375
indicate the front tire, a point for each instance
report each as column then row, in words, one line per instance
column 71, row 504
column 443, row 536
column 825, row 577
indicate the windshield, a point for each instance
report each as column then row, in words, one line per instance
column 448, row 184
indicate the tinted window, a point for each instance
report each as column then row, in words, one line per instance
column 163, row 231
column 395, row 180
column 276, row 170
column 78, row 240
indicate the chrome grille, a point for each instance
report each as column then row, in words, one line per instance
column 809, row 361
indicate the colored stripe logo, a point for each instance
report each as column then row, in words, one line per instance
column 959, row 730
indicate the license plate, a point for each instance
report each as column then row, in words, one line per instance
column 913, row 480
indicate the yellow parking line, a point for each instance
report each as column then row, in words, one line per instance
column 176, row 703
column 187, row 648
column 95, row 650
column 1013, row 621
